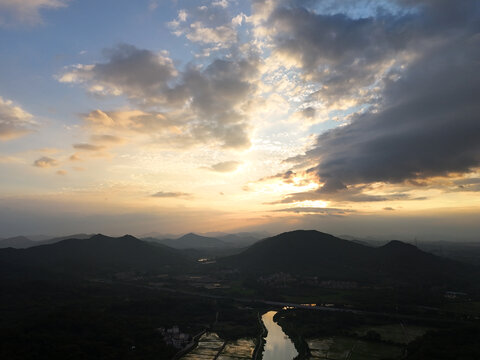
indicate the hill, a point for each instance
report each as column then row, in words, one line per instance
column 18, row 242
column 98, row 254
column 194, row 241
column 60, row 238
column 313, row 253
column 23, row 242
column 240, row 239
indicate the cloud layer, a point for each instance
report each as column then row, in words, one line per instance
column 197, row 105
column 422, row 66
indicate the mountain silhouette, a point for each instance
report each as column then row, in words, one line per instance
column 313, row 253
column 194, row 241
column 17, row 242
column 97, row 254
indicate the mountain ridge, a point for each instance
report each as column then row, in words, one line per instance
column 313, row 253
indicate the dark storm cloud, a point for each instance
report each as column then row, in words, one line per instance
column 428, row 126
column 350, row 57
column 427, row 122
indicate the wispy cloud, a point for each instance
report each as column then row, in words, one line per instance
column 27, row 12
column 14, row 121
column 224, row 166
column 88, row 147
column 45, row 162
column 172, row 194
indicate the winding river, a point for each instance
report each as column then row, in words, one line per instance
column 278, row 345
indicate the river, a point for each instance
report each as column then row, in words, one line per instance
column 278, row 345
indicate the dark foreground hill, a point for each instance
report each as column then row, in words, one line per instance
column 312, row 253
column 98, row 254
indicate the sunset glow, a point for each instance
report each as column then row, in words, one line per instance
column 178, row 116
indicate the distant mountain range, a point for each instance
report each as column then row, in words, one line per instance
column 97, row 254
column 199, row 242
column 302, row 253
column 18, row 242
column 23, row 242
column 188, row 241
column 318, row 254
column 193, row 241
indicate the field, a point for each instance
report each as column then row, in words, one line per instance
column 240, row 349
column 396, row 333
column 211, row 346
column 341, row 347
column 471, row 308
column 208, row 347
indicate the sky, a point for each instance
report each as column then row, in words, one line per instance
column 351, row 117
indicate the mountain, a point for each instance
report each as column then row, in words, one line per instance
column 194, row 241
column 319, row 254
column 60, row 238
column 240, row 239
column 23, row 242
column 98, row 254
column 18, row 242
column 159, row 236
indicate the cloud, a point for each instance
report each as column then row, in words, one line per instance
column 45, row 162
column 163, row 194
column 348, row 51
column 286, row 177
column 208, row 25
column 221, row 3
column 107, row 139
column 139, row 74
column 427, row 120
column 345, row 58
column 152, row 5
column 88, row 147
column 61, row 172
column 425, row 127
column 15, row 12
column 225, row 166
column 14, row 121
column 75, row 157
column 129, row 121
column 222, row 35
column 317, row 210
column 467, row 184
column 201, row 105
column 357, row 194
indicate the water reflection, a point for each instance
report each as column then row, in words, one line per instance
column 278, row 345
